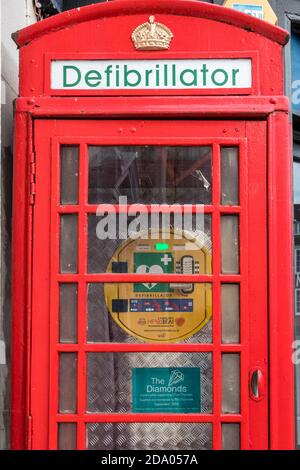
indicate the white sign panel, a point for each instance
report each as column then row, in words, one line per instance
column 207, row 74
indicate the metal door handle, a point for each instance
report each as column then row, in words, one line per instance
column 257, row 384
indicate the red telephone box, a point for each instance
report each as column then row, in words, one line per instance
column 152, row 342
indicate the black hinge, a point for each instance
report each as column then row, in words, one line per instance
column 32, row 179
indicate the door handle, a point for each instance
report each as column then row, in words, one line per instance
column 257, row 384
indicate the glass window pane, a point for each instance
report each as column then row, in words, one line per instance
column 124, row 313
column 230, row 436
column 230, row 383
column 297, row 397
column 68, row 243
column 149, row 436
column 67, row 436
column 68, row 313
column 120, row 382
column 230, row 176
column 150, row 174
column 118, row 252
column 297, row 261
column 230, row 244
column 297, row 299
column 69, row 159
column 296, row 168
column 230, row 294
column 67, row 382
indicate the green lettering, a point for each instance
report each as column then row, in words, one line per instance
column 108, row 71
column 234, row 73
column 147, row 76
column 166, row 75
column 174, row 74
column 193, row 79
column 117, row 75
column 133, row 72
column 220, row 82
column 93, row 78
column 68, row 83
column 157, row 75
column 204, row 71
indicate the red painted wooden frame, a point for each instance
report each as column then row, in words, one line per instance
column 280, row 357
column 268, row 105
column 125, row 7
column 253, row 347
column 91, row 32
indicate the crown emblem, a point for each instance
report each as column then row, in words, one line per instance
column 152, row 36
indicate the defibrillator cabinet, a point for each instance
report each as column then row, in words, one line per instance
column 152, row 234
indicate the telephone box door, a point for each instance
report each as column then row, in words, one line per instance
column 143, row 338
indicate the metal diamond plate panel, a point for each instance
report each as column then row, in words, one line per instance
column 149, row 436
column 109, row 377
column 99, row 251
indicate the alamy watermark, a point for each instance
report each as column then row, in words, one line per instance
column 152, row 221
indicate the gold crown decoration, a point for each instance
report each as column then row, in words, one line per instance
column 152, row 36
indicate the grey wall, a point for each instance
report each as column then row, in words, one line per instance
column 282, row 7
